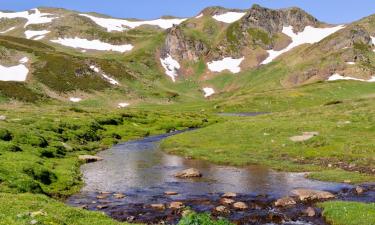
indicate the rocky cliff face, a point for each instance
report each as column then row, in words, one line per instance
column 181, row 47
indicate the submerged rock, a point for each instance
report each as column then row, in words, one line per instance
column 89, row 158
column 189, row 173
column 286, row 201
column 119, row 196
column 359, row 190
column 170, row 193
column 222, row 209
column 310, row 212
column 307, row 194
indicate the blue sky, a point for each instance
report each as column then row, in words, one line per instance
column 332, row 11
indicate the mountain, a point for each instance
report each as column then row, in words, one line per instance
column 58, row 54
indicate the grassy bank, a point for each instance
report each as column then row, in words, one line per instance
column 344, row 145
column 349, row 213
column 39, row 149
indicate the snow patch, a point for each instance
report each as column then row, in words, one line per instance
column 120, row 24
column 228, row 63
column 75, row 99
column 32, row 17
column 350, row 63
column 199, row 16
column 123, row 105
column 171, row 67
column 15, row 73
column 92, row 44
column 208, row 92
column 309, row 35
column 36, row 34
column 105, row 76
column 6, row 31
column 229, row 17
column 373, row 41
column 337, row 76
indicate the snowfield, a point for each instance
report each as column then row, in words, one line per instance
column 229, row 17
column 373, row 41
column 32, row 17
column 171, row 67
column 75, row 99
column 6, row 31
column 337, row 76
column 92, row 44
column 15, row 73
column 309, row 35
column 228, row 63
column 105, row 76
column 208, row 92
column 36, row 34
column 123, row 105
column 199, row 16
column 121, row 24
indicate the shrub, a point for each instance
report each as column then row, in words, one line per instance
column 5, row 135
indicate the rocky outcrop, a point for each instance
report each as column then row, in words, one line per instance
column 189, row 173
column 181, row 47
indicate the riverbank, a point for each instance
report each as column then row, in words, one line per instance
column 334, row 142
column 39, row 148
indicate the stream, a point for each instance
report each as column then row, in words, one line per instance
column 136, row 174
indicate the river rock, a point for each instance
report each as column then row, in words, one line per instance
column 227, row 201
column 307, row 194
column 229, row 195
column 222, row 209
column 101, row 206
column 89, row 158
column 240, row 205
column 359, row 190
column 170, row 193
column 286, row 201
column 189, row 173
column 158, row 206
column 310, row 212
column 119, row 196
column 176, row 205
column 304, row 137
column 102, row 196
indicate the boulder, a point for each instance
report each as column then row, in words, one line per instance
column 158, row 206
column 102, row 196
column 170, row 193
column 189, row 173
column 240, row 205
column 89, row 158
column 310, row 212
column 307, row 194
column 286, row 201
column 359, row 190
column 227, row 201
column 119, row 196
column 229, row 195
column 176, row 205
column 222, row 209
column 101, row 206
column 304, row 137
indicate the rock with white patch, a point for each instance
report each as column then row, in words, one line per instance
column 337, row 76
column 33, row 16
column 228, row 63
column 229, row 17
column 208, row 92
column 309, row 35
column 92, row 44
column 171, row 67
column 112, row 24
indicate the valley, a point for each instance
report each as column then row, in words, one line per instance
column 273, row 101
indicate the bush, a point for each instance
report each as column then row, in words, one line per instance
column 5, row 135
column 41, row 174
column 201, row 219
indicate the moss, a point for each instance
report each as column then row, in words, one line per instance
column 233, row 36
column 259, row 36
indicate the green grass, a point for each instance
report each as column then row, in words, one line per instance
column 345, row 138
column 349, row 213
column 201, row 219
column 18, row 209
